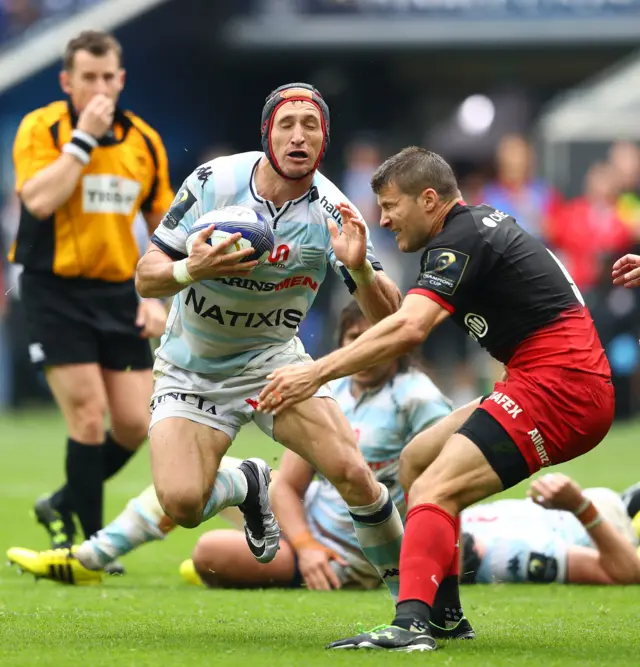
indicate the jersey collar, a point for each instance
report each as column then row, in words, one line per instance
column 456, row 210
column 311, row 195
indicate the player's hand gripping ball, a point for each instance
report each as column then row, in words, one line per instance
column 256, row 231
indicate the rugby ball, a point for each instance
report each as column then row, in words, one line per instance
column 256, row 231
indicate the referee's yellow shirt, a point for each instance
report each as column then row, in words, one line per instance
column 91, row 235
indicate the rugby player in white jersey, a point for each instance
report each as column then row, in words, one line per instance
column 386, row 406
column 232, row 323
column 541, row 540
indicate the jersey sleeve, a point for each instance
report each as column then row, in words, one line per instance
column 161, row 195
column 340, row 268
column 452, row 264
column 171, row 234
column 421, row 402
column 520, row 560
column 33, row 149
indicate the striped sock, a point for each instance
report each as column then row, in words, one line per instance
column 229, row 490
column 379, row 530
column 126, row 532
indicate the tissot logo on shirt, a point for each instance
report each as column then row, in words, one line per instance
column 443, row 270
column 105, row 193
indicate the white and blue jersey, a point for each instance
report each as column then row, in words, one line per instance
column 384, row 420
column 216, row 327
column 523, row 542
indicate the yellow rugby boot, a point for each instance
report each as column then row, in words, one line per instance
column 57, row 564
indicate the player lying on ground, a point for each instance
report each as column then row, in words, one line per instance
column 386, row 406
column 226, row 334
column 536, row 540
column 540, row 539
column 513, row 296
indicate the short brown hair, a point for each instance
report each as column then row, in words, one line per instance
column 96, row 42
column 415, row 169
column 352, row 315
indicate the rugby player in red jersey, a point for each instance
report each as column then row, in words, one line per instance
column 556, row 402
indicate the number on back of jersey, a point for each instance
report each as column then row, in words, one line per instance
column 567, row 275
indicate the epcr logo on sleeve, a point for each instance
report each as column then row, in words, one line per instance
column 494, row 218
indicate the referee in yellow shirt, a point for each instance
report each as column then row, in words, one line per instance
column 84, row 169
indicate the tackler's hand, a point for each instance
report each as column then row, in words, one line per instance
column 288, row 385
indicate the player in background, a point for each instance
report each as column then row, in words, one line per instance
column 533, row 540
column 541, row 540
column 386, row 406
column 232, row 323
column 557, row 402
column 84, row 168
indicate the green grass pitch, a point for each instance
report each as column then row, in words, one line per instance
column 149, row 617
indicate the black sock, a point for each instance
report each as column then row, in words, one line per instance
column 115, row 456
column 60, row 500
column 412, row 613
column 84, row 481
column 446, row 606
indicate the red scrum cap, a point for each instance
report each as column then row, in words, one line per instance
column 290, row 92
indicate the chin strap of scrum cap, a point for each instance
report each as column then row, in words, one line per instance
column 291, row 92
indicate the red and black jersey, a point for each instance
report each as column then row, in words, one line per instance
column 506, row 288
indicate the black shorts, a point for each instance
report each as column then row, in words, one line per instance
column 79, row 321
column 497, row 446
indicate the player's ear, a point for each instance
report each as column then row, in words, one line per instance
column 429, row 199
column 64, row 82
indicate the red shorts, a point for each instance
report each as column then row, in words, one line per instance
column 552, row 414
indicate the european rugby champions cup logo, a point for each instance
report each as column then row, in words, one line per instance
column 444, row 260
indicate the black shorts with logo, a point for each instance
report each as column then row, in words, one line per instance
column 79, row 321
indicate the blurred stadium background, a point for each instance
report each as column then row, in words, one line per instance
column 535, row 102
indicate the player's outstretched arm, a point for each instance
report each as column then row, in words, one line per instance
column 614, row 561
column 378, row 299
column 626, row 271
column 389, row 339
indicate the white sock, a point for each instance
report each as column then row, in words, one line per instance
column 229, row 490
column 136, row 525
column 379, row 530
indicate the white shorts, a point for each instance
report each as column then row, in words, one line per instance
column 226, row 405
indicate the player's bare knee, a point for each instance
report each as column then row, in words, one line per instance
column 204, row 554
column 213, row 562
column 356, row 484
column 434, row 490
column 408, row 471
column 130, row 433
column 87, row 421
column 183, row 506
